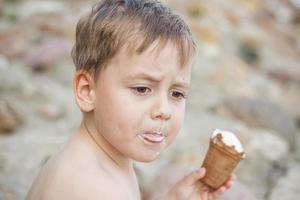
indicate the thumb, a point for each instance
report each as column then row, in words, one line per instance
column 194, row 176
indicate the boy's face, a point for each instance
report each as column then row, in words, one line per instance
column 139, row 102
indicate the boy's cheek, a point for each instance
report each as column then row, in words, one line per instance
column 171, row 138
column 175, row 129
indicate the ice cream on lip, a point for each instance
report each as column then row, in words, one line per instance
column 153, row 136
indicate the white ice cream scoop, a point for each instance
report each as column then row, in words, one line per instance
column 229, row 139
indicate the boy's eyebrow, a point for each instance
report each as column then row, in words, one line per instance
column 144, row 75
column 182, row 84
column 156, row 79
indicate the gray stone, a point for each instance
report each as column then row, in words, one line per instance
column 169, row 174
column 249, row 50
column 165, row 177
column 51, row 111
column 33, row 8
column 44, row 55
column 266, row 158
column 3, row 63
column 263, row 114
column 296, row 3
column 238, row 192
column 287, row 187
column 284, row 70
column 22, row 154
column 290, row 98
column 14, row 79
column 297, row 152
column 13, row 41
column 10, row 118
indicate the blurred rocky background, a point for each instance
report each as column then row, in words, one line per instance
column 246, row 79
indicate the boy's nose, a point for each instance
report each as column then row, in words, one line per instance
column 162, row 109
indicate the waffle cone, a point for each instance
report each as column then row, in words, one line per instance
column 219, row 163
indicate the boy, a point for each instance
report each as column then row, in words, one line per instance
column 133, row 63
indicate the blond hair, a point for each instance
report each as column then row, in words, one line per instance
column 134, row 24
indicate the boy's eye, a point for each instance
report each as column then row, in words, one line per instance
column 179, row 95
column 141, row 90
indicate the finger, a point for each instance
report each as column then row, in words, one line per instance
column 233, row 177
column 193, row 177
column 228, row 184
column 217, row 193
column 204, row 195
column 201, row 186
column 230, row 181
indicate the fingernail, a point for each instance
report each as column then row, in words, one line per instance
column 201, row 170
column 234, row 177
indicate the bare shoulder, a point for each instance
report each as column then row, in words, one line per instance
column 83, row 178
column 80, row 185
column 72, row 175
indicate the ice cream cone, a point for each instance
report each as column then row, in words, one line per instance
column 219, row 162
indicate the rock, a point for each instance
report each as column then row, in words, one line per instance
column 7, row 193
column 189, row 156
column 10, row 119
column 290, row 99
column 271, row 141
column 47, row 53
column 253, row 6
column 3, row 64
column 296, row 3
column 281, row 61
column 297, row 152
column 168, row 175
column 205, row 33
column 287, row 187
column 238, row 192
column 16, row 40
column 6, row 75
column 232, row 17
column 280, row 10
column 24, row 153
column 258, row 86
column 34, row 8
column 265, row 162
column 195, row 9
column 265, row 19
column 15, row 80
column 249, row 50
column 209, row 39
column 285, row 72
column 263, row 114
column 296, row 18
column 164, row 179
column 54, row 26
column 51, row 111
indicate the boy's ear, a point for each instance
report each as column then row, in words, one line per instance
column 84, row 90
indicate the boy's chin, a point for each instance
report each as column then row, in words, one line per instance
column 148, row 158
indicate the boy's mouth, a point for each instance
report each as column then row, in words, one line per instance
column 152, row 137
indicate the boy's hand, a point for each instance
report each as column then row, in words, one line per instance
column 191, row 188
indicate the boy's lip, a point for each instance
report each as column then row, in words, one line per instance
column 154, row 137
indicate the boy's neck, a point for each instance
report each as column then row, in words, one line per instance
column 88, row 129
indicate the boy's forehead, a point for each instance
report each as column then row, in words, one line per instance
column 156, row 52
column 151, row 63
